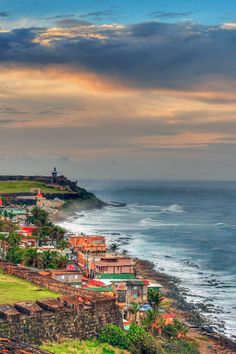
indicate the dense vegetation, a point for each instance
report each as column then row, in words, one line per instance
column 46, row 233
column 137, row 340
column 32, row 258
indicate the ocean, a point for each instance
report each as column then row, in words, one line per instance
column 188, row 229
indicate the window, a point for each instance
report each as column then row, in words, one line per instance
column 121, row 296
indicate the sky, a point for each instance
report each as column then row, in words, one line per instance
column 118, row 89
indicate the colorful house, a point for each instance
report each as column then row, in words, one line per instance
column 114, row 265
column 29, row 242
column 88, row 244
column 72, row 277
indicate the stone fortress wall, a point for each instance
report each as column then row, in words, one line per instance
column 76, row 314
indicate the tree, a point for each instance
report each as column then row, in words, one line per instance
column 30, row 257
column 6, row 226
column 134, row 309
column 54, row 260
column 62, row 244
column 33, row 258
column 14, row 239
column 41, row 217
column 5, row 213
column 11, row 215
column 3, row 238
column 155, row 298
column 113, row 247
column 57, row 234
column 177, row 329
column 15, row 255
column 150, row 319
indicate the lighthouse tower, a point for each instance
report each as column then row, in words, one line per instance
column 54, row 175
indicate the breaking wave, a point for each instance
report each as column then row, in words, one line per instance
column 174, row 208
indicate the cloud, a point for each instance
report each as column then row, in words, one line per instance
column 98, row 15
column 4, row 14
column 230, row 25
column 72, row 22
column 147, row 55
column 151, row 55
column 57, row 17
column 9, row 110
column 170, row 15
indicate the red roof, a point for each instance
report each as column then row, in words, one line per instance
column 168, row 315
column 70, row 267
column 95, row 283
column 145, row 282
column 39, row 195
column 28, row 228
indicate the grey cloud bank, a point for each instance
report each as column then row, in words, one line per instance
column 151, row 55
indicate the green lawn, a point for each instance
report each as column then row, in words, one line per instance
column 25, row 186
column 13, row 289
column 82, row 347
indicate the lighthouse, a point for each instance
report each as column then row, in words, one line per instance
column 54, row 175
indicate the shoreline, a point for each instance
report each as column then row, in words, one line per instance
column 198, row 326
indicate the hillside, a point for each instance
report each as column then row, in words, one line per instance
column 22, row 191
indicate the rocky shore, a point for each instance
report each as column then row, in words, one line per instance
column 200, row 329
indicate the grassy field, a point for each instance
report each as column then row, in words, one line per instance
column 82, row 347
column 13, row 290
column 25, row 186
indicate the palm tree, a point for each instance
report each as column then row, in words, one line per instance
column 134, row 310
column 3, row 239
column 155, row 298
column 63, row 244
column 14, row 239
column 113, row 247
column 5, row 213
column 39, row 261
column 150, row 319
column 11, row 215
column 33, row 258
column 47, row 257
column 30, row 257
column 176, row 329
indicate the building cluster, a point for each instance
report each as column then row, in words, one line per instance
column 110, row 274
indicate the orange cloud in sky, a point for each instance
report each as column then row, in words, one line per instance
column 114, row 118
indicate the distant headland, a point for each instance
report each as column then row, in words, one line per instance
column 45, row 191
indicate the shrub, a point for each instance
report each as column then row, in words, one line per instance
column 142, row 340
column 136, row 340
column 115, row 336
column 181, row 347
column 174, row 330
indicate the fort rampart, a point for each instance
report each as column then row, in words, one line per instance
column 76, row 314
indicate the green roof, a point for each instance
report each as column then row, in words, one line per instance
column 100, row 289
column 116, row 276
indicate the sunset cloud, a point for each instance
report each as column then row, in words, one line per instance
column 116, row 91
